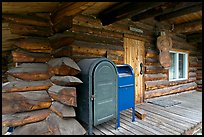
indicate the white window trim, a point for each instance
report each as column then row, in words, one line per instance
column 177, row 68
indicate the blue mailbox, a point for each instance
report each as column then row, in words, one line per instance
column 126, row 90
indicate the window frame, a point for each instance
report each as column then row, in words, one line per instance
column 186, row 53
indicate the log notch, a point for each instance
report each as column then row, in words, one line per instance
column 26, row 19
column 24, row 101
column 24, row 56
column 66, row 80
column 27, row 30
column 65, row 95
column 34, row 44
column 34, row 129
column 30, row 71
column 20, row 119
column 62, row 110
column 21, row 85
column 63, row 15
column 68, row 126
column 63, row 66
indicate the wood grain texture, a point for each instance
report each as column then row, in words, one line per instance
column 25, row 101
column 65, row 95
column 21, row 85
column 20, row 119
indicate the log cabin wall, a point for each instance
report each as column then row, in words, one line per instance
column 156, row 77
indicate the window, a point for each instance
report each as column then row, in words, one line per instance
column 179, row 66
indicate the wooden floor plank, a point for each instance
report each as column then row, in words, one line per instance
column 179, row 119
column 144, row 127
column 161, row 110
column 154, row 126
column 167, row 115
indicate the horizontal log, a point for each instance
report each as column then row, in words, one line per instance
column 64, row 24
column 20, row 85
column 141, row 114
column 199, row 82
column 65, row 51
column 97, row 31
column 158, row 84
column 24, row 101
column 23, row 56
column 150, row 53
column 86, row 50
column 151, row 61
column 26, row 19
column 68, row 126
column 170, row 90
column 27, row 30
column 34, row 44
column 20, row 119
column 63, row 66
column 192, row 74
column 66, row 80
column 37, row 128
column 150, row 77
column 62, row 110
column 155, row 70
column 192, row 69
column 94, row 38
column 97, row 45
column 31, row 71
column 65, row 95
column 59, row 40
column 192, row 78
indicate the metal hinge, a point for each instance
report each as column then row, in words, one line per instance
column 92, row 97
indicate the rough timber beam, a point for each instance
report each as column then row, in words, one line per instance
column 162, row 9
column 125, row 10
column 180, row 12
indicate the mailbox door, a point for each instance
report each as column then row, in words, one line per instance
column 105, row 92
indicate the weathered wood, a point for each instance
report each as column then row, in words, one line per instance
column 34, row 44
column 37, row 128
column 96, row 31
column 141, row 114
column 65, row 95
column 115, row 56
column 26, row 19
column 179, row 12
column 62, row 110
column 21, row 85
column 63, row 66
column 63, row 25
column 68, row 126
column 59, row 40
column 65, row 51
column 157, row 84
column 23, row 56
column 27, row 30
column 20, row 119
column 69, row 9
column 150, row 53
column 189, row 27
column 24, row 101
column 155, row 70
column 169, row 90
column 94, row 38
column 30, row 71
column 124, row 10
column 66, row 80
column 159, row 76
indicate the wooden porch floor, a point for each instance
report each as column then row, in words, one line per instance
column 183, row 118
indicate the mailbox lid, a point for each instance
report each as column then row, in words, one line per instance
column 125, row 75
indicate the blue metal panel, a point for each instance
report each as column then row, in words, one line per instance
column 126, row 90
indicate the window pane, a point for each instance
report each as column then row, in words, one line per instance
column 172, row 70
column 181, row 66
